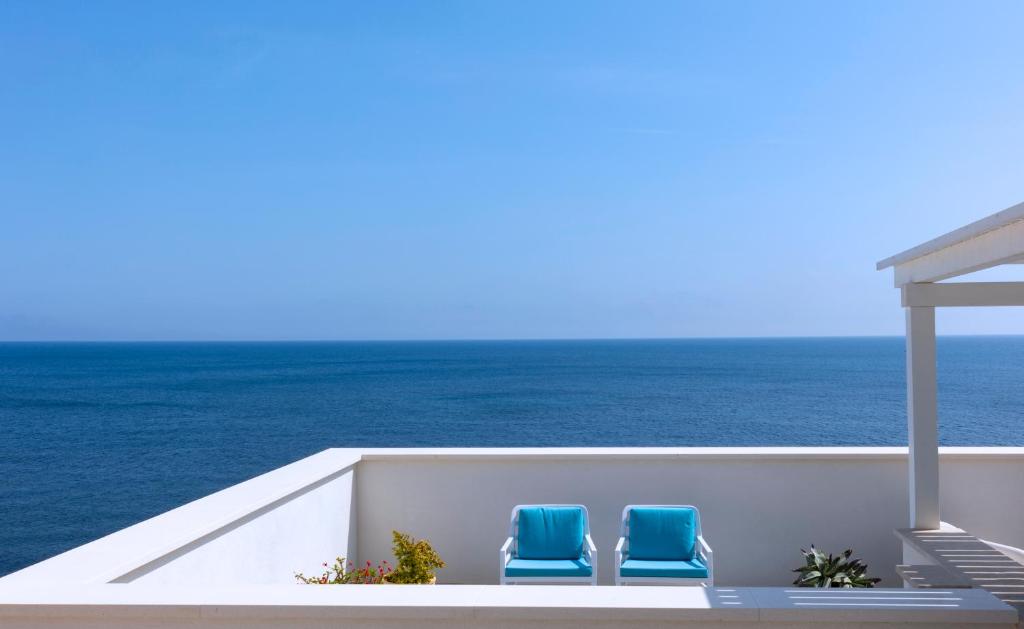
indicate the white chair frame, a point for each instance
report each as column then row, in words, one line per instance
column 622, row 553
column 510, row 549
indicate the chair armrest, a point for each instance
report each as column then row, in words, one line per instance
column 619, row 553
column 705, row 552
column 504, row 552
column 590, row 552
column 705, row 549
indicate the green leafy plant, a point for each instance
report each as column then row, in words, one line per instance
column 828, row 571
column 342, row 574
column 417, row 563
column 417, row 560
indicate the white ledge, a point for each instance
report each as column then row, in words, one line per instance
column 505, row 603
column 754, row 452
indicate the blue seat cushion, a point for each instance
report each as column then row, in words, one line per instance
column 548, row 568
column 693, row 569
column 550, row 533
column 662, row 533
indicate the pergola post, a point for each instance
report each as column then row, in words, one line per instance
column 920, row 272
column 922, row 418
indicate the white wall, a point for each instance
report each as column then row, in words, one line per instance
column 225, row 559
column 982, row 492
column 256, row 532
column 492, row 607
column 759, row 507
column 295, row 534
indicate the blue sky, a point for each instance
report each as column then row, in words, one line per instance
column 487, row 170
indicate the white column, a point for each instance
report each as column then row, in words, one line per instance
column 922, row 418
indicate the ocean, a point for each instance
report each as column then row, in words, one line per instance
column 97, row 436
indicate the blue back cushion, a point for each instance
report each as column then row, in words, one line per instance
column 666, row 533
column 550, row 533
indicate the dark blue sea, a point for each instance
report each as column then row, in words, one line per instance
column 97, row 436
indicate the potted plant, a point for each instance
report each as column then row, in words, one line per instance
column 417, row 563
column 417, row 560
column 828, row 571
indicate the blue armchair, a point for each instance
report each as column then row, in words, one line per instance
column 662, row 545
column 549, row 544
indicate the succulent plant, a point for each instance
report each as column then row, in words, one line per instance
column 828, row 571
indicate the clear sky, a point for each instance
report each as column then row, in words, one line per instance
column 397, row 170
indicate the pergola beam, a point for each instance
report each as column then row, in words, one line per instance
column 927, row 295
column 994, row 240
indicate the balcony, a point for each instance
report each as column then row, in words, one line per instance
column 228, row 559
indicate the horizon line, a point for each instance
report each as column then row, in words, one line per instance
column 493, row 339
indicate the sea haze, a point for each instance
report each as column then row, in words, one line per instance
column 97, row 436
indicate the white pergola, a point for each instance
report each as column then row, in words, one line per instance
column 992, row 241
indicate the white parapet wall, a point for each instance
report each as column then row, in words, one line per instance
column 258, row 532
column 497, row 607
column 227, row 560
column 289, row 535
column 759, row 506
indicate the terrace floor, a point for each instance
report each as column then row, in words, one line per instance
column 968, row 559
